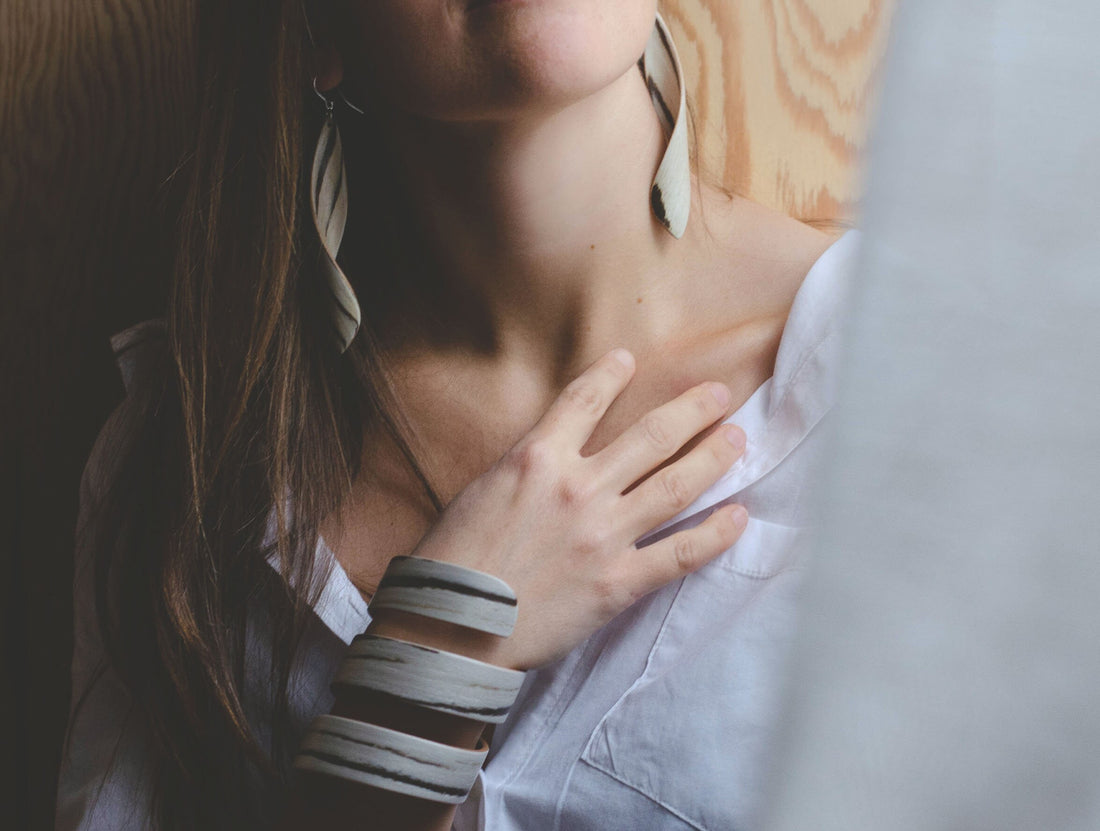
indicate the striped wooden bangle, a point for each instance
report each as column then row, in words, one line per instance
column 430, row 678
column 387, row 759
column 448, row 592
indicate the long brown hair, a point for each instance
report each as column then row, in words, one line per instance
column 246, row 404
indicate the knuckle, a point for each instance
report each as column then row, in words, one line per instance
column 612, row 594
column 705, row 402
column 573, row 492
column 676, row 490
column 722, row 452
column 657, row 434
column 616, row 369
column 530, row 458
column 729, row 530
column 583, row 397
column 685, row 552
column 594, row 540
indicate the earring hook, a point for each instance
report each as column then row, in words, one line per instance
column 348, row 102
column 330, row 104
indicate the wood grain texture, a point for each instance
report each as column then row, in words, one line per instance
column 96, row 104
column 783, row 92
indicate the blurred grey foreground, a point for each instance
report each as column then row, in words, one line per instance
column 948, row 670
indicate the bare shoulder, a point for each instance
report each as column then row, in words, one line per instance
column 754, row 255
column 742, row 268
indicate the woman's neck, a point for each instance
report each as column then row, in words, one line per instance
column 541, row 227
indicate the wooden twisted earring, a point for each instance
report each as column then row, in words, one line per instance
column 329, row 200
column 670, row 196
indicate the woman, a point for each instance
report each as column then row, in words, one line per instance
column 516, row 205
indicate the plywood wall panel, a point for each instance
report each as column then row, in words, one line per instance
column 783, row 93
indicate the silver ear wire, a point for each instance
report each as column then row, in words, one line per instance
column 330, row 105
column 328, row 102
column 348, row 101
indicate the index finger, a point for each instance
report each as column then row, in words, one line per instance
column 577, row 410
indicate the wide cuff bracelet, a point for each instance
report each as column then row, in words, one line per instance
column 448, row 592
column 387, row 759
column 430, row 678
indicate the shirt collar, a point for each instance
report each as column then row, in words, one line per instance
column 783, row 410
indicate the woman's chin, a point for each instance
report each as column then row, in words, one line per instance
column 539, row 58
column 494, row 59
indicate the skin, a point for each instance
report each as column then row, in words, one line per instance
column 529, row 146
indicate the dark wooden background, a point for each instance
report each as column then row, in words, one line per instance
column 95, row 101
column 96, row 98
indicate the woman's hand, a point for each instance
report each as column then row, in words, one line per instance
column 558, row 528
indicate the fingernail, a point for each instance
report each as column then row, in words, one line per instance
column 721, row 394
column 623, row 357
column 740, row 516
column 735, row 436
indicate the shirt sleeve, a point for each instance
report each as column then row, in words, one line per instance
column 105, row 778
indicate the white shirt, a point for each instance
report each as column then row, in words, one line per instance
column 662, row 719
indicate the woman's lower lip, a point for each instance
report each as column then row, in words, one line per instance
column 479, row 4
